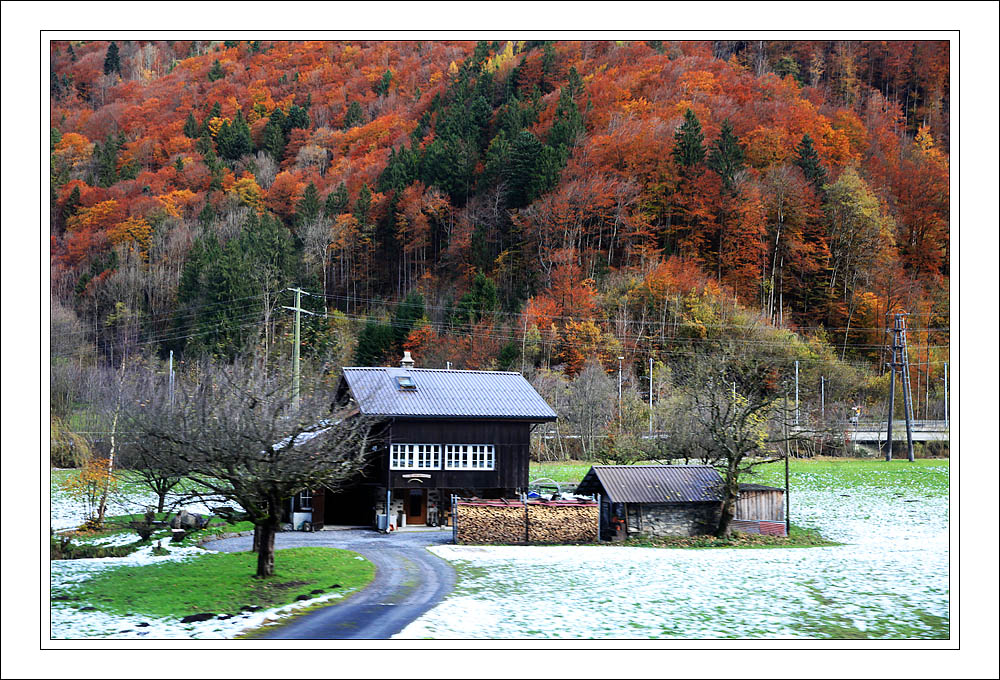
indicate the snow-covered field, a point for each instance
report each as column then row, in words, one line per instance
column 889, row 580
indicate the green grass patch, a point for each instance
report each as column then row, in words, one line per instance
column 220, row 583
column 799, row 537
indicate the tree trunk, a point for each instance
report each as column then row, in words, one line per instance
column 731, row 490
column 265, row 553
column 726, row 517
column 256, row 538
column 161, row 498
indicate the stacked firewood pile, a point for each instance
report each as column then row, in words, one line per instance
column 489, row 522
column 562, row 522
column 480, row 521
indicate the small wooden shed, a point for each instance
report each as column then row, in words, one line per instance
column 656, row 500
column 677, row 500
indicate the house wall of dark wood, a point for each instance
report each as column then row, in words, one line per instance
column 511, row 441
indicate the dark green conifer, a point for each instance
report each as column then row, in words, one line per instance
column 354, row 116
column 336, row 201
column 726, row 156
column 216, row 72
column 688, row 139
column 191, row 127
column 112, row 62
column 807, row 159
column 308, row 207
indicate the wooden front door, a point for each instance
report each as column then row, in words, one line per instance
column 416, row 506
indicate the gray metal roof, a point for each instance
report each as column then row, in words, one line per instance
column 654, row 483
column 446, row 394
column 759, row 487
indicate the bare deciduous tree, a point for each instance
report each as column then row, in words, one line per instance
column 728, row 414
column 591, row 406
column 238, row 433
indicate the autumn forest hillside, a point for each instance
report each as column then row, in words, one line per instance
column 499, row 205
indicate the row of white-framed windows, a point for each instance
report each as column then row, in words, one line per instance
column 469, row 457
column 415, row 457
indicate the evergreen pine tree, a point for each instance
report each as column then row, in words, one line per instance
column 726, row 156
column 807, row 159
column 308, row 208
column 568, row 123
column 688, row 149
column 112, row 62
column 478, row 302
column 273, row 139
column 204, row 144
column 191, row 127
column 408, row 312
column 216, row 72
column 520, row 175
column 224, row 141
column 207, row 215
column 297, row 118
column 72, row 54
column 363, row 206
column 336, row 201
column 107, row 161
column 375, row 342
column 382, row 86
column 70, row 206
column 354, row 116
column 242, row 142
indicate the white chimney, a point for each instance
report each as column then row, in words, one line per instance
column 407, row 361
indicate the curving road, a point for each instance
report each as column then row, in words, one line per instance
column 409, row 580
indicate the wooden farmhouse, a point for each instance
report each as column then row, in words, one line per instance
column 676, row 500
column 446, row 432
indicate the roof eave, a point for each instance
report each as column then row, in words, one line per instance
column 418, row 416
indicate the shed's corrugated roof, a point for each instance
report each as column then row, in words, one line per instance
column 654, row 483
column 441, row 393
column 759, row 487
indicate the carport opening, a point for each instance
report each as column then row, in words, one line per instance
column 350, row 507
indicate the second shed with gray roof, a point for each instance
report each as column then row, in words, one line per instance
column 656, row 500
column 675, row 500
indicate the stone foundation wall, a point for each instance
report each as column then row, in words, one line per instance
column 676, row 519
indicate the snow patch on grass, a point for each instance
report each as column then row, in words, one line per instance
column 889, row 581
column 69, row 622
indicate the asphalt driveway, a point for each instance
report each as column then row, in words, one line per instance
column 408, row 581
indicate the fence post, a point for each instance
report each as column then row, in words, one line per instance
column 454, row 519
column 527, row 529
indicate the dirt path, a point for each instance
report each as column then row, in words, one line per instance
column 409, row 580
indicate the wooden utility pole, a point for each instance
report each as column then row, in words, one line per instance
column 620, row 359
column 822, row 399
column 900, row 363
column 788, row 507
column 892, row 398
column 651, row 395
column 796, row 391
column 907, row 394
column 298, row 336
column 946, row 394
